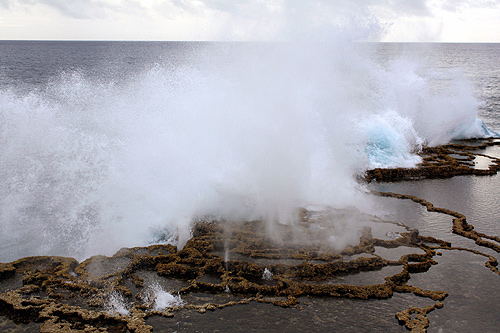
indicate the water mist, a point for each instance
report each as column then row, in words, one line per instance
column 239, row 132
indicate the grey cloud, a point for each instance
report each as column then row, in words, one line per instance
column 227, row 6
column 400, row 7
column 86, row 9
column 412, row 7
column 80, row 9
column 171, row 9
column 186, row 5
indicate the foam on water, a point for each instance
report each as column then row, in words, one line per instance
column 88, row 167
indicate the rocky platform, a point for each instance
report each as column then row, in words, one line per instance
column 138, row 287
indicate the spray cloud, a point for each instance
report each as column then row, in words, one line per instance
column 238, row 131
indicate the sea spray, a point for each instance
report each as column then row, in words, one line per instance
column 115, row 303
column 267, row 274
column 158, row 299
column 242, row 131
column 391, row 141
column 440, row 104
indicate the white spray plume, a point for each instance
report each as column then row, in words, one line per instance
column 115, row 303
column 160, row 299
column 240, row 131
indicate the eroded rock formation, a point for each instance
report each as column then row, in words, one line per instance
column 120, row 293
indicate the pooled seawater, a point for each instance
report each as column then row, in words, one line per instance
column 7, row 325
column 474, row 290
column 315, row 315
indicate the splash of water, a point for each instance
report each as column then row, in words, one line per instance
column 115, row 303
column 160, row 299
column 88, row 168
column 267, row 275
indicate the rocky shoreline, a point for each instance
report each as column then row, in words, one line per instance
column 233, row 264
column 455, row 159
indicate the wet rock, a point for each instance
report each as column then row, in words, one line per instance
column 442, row 162
column 63, row 295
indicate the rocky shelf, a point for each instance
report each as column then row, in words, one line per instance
column 121, row 293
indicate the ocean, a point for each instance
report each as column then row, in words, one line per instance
column 119, row 144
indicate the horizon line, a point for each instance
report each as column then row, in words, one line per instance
column 235, row 41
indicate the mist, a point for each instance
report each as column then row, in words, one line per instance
column 238, row 131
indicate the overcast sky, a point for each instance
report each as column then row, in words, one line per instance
column 386, row 20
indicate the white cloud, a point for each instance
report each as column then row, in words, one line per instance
column 472, row 24
column 461, row 5
column 446, row 21
column 404, row 20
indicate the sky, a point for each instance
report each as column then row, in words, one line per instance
column 236, row 20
